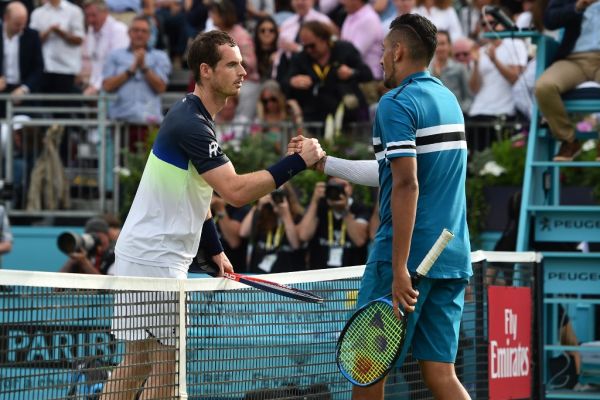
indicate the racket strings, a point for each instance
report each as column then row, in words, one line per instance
column 371, row 343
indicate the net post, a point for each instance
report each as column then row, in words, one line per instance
column 481, row 342
column 182, row 345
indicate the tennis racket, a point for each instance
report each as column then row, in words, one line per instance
column 372, row 339
column 283, row 290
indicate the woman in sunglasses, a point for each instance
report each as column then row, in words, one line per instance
column 266, row 35
column 274, row 113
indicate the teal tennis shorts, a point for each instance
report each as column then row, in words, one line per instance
column 433, row 328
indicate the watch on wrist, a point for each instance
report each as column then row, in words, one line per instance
column 144, row 70
column 221, row 214
column 129, row 73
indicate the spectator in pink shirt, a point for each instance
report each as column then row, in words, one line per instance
column 362, row 27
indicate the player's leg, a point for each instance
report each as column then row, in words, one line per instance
column 162, row 382
column 441, row 379
column 375, row 284
column 127, row 378
column 436, row 338
column 373, row 392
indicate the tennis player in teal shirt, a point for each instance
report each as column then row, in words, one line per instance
column 420, row 167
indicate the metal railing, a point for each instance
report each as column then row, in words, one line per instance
column 93, row 146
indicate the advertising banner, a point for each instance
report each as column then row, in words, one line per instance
column 509, row 352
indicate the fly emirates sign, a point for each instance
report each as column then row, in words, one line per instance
column 509, row 352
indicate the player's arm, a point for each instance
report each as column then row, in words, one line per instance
column 308, row 225
column 239, row 190
column 358, row 229
column 5, row 247
column 361, row 172
column 291, row 230
column 405, row 192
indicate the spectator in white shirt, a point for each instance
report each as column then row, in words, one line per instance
column 443, row 16
column 497, row 65
column 104, row 35
column 60, row 24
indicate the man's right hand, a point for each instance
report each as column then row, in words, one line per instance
column 311, row 152
column 295, row 146
column 403, row 294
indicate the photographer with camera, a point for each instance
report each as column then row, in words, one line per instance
column 270, row 226
column 229, row 220
column 89, row 253
column 336, row 226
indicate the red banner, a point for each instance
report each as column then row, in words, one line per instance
column 509, row 352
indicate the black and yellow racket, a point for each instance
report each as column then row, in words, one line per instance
column 372, row 339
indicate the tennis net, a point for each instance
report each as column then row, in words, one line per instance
column 62, row 335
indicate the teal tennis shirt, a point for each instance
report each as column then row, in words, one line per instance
column 421, row 118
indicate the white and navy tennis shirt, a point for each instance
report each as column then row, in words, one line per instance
column 421, row 118
column 165, row 221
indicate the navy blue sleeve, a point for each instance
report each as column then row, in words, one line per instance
column 201, row 147
column 186, row 136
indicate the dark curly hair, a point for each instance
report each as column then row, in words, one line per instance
column 417, row 33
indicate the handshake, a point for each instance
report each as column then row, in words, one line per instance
column 310, row 150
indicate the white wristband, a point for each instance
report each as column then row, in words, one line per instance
column 362, row 172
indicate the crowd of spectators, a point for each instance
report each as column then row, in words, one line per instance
column 306, row 61
column 324, row 55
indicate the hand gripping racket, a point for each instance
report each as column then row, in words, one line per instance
column 372, row 339
column 268, row 286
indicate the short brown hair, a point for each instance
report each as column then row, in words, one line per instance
column 319, row 29
column 205, row 50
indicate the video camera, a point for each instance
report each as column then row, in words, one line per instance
column 69, row 242
column 278, row 196
column 334, row 191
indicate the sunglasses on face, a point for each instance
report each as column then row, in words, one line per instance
column 462, row 54
column 267, row 30
column 309, row 46
column 266, row 100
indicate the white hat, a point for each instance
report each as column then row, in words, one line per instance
column 18, row 120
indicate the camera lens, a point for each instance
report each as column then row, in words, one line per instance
column 278, row 196
column 334, row 191
column 69, row 242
